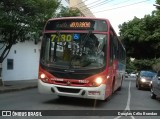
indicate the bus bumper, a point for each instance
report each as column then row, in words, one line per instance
column 71, row 91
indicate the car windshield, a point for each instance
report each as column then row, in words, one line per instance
column 74, row 50
column 147, row 74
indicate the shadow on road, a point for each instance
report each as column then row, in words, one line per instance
column 75, row 102
column 80, row 102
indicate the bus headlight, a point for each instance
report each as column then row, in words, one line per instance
column 42, row 76
column 98, row 81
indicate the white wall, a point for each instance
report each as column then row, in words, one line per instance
column 25, row 62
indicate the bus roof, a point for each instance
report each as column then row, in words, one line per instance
column 94, row 18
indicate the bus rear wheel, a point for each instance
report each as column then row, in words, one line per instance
column 120, row 87
column 113, row 87
column 153, row 96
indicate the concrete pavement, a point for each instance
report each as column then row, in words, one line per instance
column 18, row 85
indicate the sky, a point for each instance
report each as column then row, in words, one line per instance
column 120, row 11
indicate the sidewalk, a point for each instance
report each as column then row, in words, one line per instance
column 10, row 86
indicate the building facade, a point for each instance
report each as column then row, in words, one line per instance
column 22, row 62
column 81, row 6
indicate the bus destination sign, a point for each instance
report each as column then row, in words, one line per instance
column 80, row 24
column 76, row 24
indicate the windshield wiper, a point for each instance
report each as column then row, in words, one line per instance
column 85, row 39
column 59, row 36
column 55, row 45
column 78, row 61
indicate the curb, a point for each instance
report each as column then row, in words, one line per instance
column 13, row 89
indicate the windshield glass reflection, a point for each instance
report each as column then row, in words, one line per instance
column 78, row 50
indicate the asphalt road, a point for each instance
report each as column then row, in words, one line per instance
column 129, row 98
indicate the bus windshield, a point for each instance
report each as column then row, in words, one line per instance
column 74, row 50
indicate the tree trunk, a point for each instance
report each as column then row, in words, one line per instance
column 1, row 81
column 2, row 57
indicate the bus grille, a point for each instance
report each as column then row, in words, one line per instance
column 70, row 75
column 68, row 90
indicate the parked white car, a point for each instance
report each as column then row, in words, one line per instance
column 126, row 75
column 133, row 75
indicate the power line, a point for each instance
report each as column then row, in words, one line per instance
column 95, row 2
column 113, row 4
column 81, row 2
column 121, row 6
column 121, row 2
column 100, row 4
column 92, row 3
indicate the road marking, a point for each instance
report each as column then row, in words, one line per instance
column 128, row 102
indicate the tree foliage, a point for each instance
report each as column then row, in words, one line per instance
column 68, row 12
column 156, row 67
column 22, row 20
column 141, row 38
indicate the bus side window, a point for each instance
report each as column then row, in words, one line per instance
column 111, row 49
column 116, row 47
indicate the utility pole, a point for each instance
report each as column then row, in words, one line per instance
column 1, row 42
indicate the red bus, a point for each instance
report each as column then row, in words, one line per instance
column 81, row 57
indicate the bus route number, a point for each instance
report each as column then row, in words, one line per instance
column 61, row 38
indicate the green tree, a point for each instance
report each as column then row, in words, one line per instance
column 22, row 20
column 141, row 38
column 156, row 65
column 68, row 12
